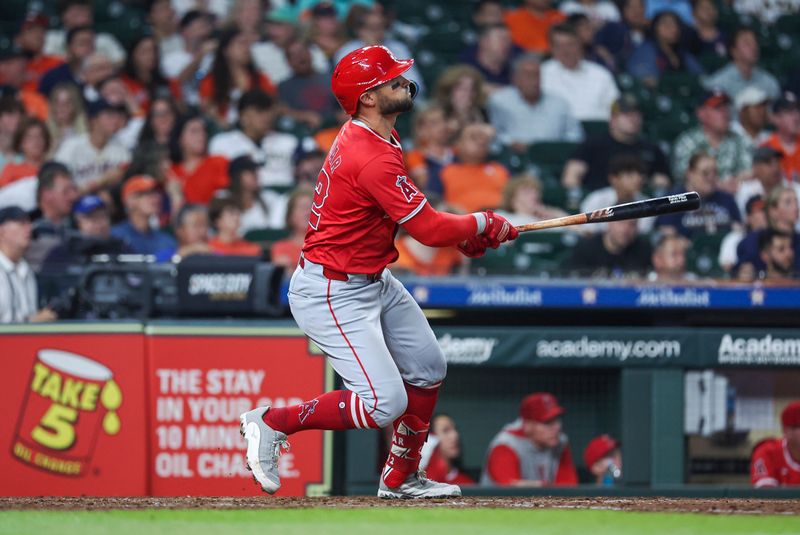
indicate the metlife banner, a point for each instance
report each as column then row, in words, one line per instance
column 608, row 347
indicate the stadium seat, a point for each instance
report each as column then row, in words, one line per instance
column 266, row 235
column 594, row 128
column 789, row 24
column 703, row 255
column 534, row 253
column 681, row 85
column 551, row 154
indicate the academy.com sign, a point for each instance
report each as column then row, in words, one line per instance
column 764, row 350
column 620, row 350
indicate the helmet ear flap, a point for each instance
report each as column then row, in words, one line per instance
column 413, row 88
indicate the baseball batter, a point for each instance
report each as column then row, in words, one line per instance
column 346, row 301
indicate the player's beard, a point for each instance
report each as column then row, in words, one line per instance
column 389, row 107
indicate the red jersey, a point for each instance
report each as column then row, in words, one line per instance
column 772, row 465
column 362, row 194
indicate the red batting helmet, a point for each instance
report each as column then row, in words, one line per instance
column 362, row 70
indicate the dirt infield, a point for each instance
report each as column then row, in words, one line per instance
column 686, row 505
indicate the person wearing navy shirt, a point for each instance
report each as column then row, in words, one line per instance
column 718, row 212
column 493, row 54
column 142, row 204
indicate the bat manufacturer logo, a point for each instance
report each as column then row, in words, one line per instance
column 601, row 213
column 679, row 198
column 409, row 191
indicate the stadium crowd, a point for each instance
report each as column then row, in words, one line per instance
column 176, row 127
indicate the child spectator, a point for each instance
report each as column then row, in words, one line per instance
column 225, row 217
column 531, row 451
column 286, row 252
column 474, row 182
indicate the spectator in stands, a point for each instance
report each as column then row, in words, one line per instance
column 776, row 461
column 246, row 15
column 199, row 173
column 158, row 124
column 598, row 12
column 663, row 52
column 32, row 144
column 18, row 292
column 603, row 458
column 76, row 14
column 743, row 70
column 94, row 159
column 67, row 116
column 488, row 13
column 271, row 56
column 30, row 39
column 142, row 72
column 460, row 92
column 370, row 29
column 531, row 22
column 522, row 201
column 786, row 138
column 441, row 454
column 11, row 115
column 492, row 55
column 669, row 260
column 618, row 40
column 432, row 149
column 474, row 182
column 718, row 212
column 191, row 230
column 162, row 22
column 189, row 63
column 782, row 216
column 232, row 74
column 776, row 251
column 326, row 32
column 272, row 151
column 514, row 109
column 705, row 39
column 307, row 168
column 114, row 91
column 13, row 65
column 589, row 88
column 755, row 220
column 531, row 451
column 617, row 252
column 751, row 116
column 713, row 136
column 80, row 45
column 306, row 93
column 418, row 259
column 142, row 201
column 767, row 175
column 587, row 168
column 95, row 70
column 225, row 217
column 626, row 178
column 56, row 192
column 260, row 208
column 586, row 32
column 286, row 252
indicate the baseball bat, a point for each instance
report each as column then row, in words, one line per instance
column 681, row 202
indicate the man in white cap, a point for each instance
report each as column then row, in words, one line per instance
column 751, row 115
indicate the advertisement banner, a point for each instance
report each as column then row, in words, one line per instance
column 74, row 414
column 200, row 384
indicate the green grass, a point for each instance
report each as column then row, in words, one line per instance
column 391, row 521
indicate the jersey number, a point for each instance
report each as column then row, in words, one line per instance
column 320, row 194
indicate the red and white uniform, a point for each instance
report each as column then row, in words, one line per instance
column 362, row 195
column 772, row 465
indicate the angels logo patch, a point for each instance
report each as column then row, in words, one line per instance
column 409, row 191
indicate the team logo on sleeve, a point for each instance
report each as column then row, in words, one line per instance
column 409, row 191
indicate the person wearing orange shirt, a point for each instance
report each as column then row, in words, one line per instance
column 786, row 138
column 531, row 22
column 473, row 182
column 141, row 74
column 232, row 73
column 30, row 39
column 286, row 252
column 32, row 142
column 225, row 219
column 199, row 174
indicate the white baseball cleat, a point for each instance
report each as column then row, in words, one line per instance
column 418, row 486
column 264, row 446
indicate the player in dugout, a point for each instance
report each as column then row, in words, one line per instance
column 342, row 296
column 531, row 451
column 776, row 461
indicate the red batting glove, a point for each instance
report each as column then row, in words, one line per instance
column 474, row 247
column 498, row 229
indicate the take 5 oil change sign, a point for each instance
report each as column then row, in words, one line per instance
column 76, row 415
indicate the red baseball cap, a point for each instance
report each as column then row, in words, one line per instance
column 598, row 448
column 540, row 407
column 364, row 69
column 138, row 184
column 790, row 417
